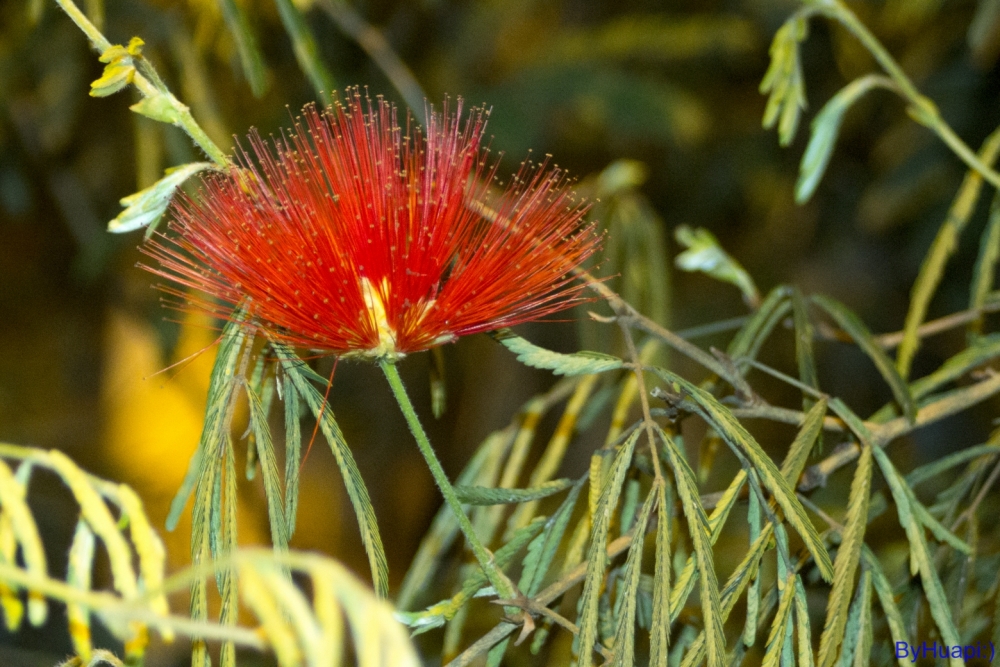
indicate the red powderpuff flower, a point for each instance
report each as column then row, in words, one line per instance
column 357, row 238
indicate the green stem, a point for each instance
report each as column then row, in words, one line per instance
column 501, row 584
column 923, row 109
column 148, row 88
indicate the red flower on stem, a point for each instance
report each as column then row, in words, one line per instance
column 355, row 237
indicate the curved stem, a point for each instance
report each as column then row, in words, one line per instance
column 148, row 88
column 504, row 588
column 922, row 109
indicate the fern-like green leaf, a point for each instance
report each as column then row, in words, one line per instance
column 848, row 559
column 579, row 363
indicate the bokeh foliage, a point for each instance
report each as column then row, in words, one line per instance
column 659, row 112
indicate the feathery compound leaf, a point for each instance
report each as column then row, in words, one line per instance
column 484, row 495
column 624, row 646
column 857, row 330
column 146, row 207
column 293, row 452
column 804, row 357
column 848, row 559
column 924, row 563
column 886, row 598
column 983, row 350
column 826, row 127
column 597, row 554
column 659, row 631
column 579, row 363
column 802, row 628
column 704, row 254
column 776, row 638
column 269, row 471
column 222, row 387
column 798, row 452
column 984, row 273
column 542, row 549
column 737, row 583
column 854, row 651
column 716, row 521
column 701, row 538
column 783, row 79
column 753, row 595
column 356, row 489
column 943, row 247
column 745, row 446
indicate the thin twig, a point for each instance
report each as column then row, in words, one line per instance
column 647, row 418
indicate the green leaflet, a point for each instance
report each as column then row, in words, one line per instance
column 624, row 646
column 659, row 631
column 737, row 583
column 848, row 559
column 922, row 561
column 356, row 490
column 579, row 363
column 857, row 640
column 804, row 357
column 744, row 444
column 753, row 595
column 306, row 51
column 783, row 79
column 221, row 392
column 704, row 254
column 146, row 207
column 798, row 452
column 887, row 600
column 984, row 349
column 984, row 273
column 943, row 247
column 701, row 538
column 687, row 578
column 542, row 550
column 484, row 495
column 597, row 553
column 857, row 330
column 826, row 127
column 226, row 578
column 26, row 536
column 935, row 468
column 802, row 629
column 776, row 637
column 269, row 471
column 293, row 454
column 251, row 60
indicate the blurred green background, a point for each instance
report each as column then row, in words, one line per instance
column 671, row 87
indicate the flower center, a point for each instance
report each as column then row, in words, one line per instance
column 376, row 311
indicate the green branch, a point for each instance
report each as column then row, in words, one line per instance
column 503, row 587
